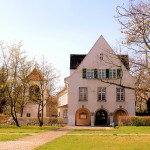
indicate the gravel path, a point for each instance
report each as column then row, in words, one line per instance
column 33, row 141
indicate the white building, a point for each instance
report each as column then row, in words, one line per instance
column 92, row 95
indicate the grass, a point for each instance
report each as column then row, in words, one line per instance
column 26, row 129
column 9, row 137
column 9, row 132
column 117, row 130
column 103, row 142
column 98, row 143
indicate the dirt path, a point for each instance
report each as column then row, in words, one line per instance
column 33, row 141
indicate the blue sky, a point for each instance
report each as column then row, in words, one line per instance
column 57, row 28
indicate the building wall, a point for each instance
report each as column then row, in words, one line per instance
column 33, row 110
column 93, row 105
column 31, row 107
column 63, row 100
column 61, row 114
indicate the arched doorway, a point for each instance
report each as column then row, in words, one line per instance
column 83, row 117
column 101, row 117
column 118, row 113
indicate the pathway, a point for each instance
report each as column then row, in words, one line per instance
column 33, row 141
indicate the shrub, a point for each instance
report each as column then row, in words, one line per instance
column 124, row 120
column 3, row 119
column 50, row 121
column 134, row 121
column 53, row 121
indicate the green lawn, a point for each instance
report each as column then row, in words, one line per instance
column 103, row 142
column 6, row 137
column 9, row 132
column 117, row 130
column 99, row 143
column 26, row 129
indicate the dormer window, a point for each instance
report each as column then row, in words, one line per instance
column 101, row 56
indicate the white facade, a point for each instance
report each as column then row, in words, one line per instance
column 63, row 100
column 63, row 105
column 93, row 111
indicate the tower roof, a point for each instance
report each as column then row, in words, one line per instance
column 35, row 75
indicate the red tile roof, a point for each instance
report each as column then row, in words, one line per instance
column 35, row 75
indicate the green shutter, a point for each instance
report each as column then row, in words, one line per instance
column 84, row 73
column 119, row 73
column 107, row 73
column 95, row 74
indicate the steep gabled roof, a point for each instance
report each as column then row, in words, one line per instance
column 125, row 60
column 76, row 59
column 35, row 75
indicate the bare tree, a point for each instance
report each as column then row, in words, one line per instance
column 135, row 25
column 24, row 70
column 47, row 76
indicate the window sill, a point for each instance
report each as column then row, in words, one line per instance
column 102, row 100
column 120, row 101
column 83, row 100
column 109, row 78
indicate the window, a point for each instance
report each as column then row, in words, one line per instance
column 90, row 73
column 65, row 113
column 83, row 92
column 112, row 73
column 101, row 56
column 120, row 94
column 101, row 94
column 28, row 115
column 101, row 74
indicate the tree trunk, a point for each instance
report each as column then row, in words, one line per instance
column 40, row 120
column 21, row 111
column 13, row 113
column 14, row 116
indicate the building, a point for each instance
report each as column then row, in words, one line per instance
column 30, row 107
column 92, row 95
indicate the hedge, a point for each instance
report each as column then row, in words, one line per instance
column 134, row 121
column 49, row 121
